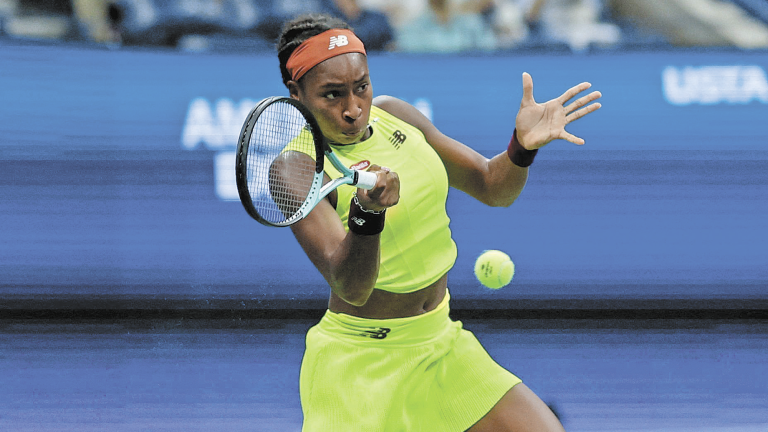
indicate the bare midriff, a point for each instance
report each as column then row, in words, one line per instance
column 385, row 304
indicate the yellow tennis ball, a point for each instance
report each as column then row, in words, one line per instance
column 494, row 269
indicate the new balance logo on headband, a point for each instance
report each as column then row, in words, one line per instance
column 338, row 41
column 320, row 48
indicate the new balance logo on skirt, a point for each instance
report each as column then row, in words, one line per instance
column 338, row 41
column 378, row 333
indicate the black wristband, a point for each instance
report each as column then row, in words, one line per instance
column 362, row 221
column 518, row 154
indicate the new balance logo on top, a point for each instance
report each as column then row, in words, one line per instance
column 338, row 41
column 358, row 221
column 397, row 139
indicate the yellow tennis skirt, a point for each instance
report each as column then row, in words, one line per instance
column 422, row 373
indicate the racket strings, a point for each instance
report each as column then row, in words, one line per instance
column 280, row 163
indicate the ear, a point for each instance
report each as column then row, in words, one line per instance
column 294, row 89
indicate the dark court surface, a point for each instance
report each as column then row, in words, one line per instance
column 235, row 374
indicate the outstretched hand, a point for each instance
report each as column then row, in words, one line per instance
column 538, row 124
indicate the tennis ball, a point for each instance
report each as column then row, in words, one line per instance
column 494, row 269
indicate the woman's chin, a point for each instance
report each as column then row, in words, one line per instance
column 347, row 139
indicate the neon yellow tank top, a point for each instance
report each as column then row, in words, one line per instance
column 416, row 244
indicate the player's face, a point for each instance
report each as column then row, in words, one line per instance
column 339, row 94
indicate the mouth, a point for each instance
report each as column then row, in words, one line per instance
column 353, row 135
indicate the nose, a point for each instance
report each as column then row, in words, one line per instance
column 353, row 110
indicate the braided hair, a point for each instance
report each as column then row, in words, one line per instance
column 300, row 29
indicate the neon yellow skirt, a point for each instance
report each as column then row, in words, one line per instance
column 422, row 373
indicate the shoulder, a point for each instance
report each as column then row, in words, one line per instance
column 405, row 112
column 389, row 103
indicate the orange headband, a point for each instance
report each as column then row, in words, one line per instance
column 320, row 48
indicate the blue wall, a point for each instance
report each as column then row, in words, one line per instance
column 116, row 176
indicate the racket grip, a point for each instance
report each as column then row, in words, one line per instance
column 366, row 180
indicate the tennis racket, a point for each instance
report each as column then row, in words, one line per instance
column 279, row 167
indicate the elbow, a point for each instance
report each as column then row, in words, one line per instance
column 495, row 196
column 500, row 201
column 356, row 297
column 354, row 293
column 501, row 197
column 358, row 301
column 353, row 279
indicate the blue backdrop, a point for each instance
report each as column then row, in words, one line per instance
column 116, row 177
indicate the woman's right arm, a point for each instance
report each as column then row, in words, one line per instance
column 349, row 262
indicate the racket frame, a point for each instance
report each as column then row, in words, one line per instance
column 317, row 191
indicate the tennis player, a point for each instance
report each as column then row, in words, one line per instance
column 386, row 356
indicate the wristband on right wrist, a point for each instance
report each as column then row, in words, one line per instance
column 518, row 154
column 364, row 222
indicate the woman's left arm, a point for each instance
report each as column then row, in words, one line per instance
column 497, row 181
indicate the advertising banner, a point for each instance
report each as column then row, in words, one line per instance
column 117, row 177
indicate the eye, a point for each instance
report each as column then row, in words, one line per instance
column 332, row 95
column 363, row 87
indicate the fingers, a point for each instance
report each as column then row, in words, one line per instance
column 583, row 101
column 578, row 109
column 579, row 113
column 582, row 112
column 385, row 180
column 385, row 194
column 573, row 91
column 527, row 89
column 571, row 138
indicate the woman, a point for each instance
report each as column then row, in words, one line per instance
column 386, row 356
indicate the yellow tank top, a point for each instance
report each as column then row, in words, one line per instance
column 416, row 244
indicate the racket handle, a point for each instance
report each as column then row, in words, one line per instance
column 366, row 180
